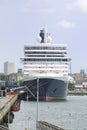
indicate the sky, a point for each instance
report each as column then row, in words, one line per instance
column 21, row 21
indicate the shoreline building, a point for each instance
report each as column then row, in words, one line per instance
column 9, row 67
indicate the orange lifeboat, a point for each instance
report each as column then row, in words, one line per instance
column 16, row 106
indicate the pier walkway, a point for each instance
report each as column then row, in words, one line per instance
column 6, row 103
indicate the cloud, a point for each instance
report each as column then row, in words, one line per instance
column 65, row 24
column 35, row 9
column 78, row 5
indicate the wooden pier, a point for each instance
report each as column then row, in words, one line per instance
column 42, row 125
column 6, row 103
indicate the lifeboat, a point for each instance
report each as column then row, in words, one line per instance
column 16, row 106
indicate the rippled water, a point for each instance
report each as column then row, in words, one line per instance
column 70, row 114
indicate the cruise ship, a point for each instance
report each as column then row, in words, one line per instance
column 46, row 69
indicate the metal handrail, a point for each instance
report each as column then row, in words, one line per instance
column 4, row 127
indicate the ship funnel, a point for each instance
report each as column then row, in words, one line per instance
column 42, row 35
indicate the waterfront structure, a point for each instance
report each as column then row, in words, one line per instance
column 82, row 71
column 46, row 65
column 20, row 71
column 2, row 83
column 9, row 68
column 6, row 104
column 80, row 77
column 14, row 79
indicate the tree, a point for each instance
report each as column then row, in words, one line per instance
column 4, row 77
column 20, row 82
column 71, row 86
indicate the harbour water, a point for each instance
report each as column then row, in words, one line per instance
column 70, row 114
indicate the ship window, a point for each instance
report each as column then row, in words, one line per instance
column 38, row 55
column 43, row 52
column 44, row 48
column 45, row 59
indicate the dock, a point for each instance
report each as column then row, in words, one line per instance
column 6, row 104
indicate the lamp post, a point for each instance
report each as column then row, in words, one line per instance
column 37, row 97
column 37, row 125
